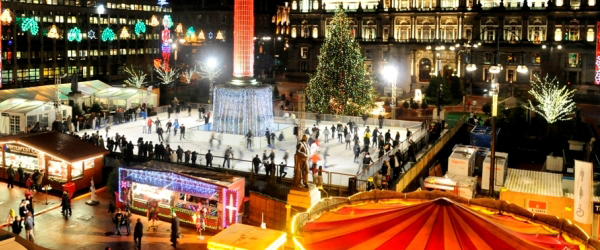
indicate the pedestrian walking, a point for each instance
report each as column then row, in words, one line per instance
column 159, row 131
column 138, row 232
column 326, row 134
column 66, row 204
column 356, row 152
column 367, row 160
column 10, row 217
column 174, row 230
column 286, row 156
column 348, row 139
column 168, row 125
column 189, row 108
column 175, row 127
column 38, row 181
column 227, row 157
column 149, row 123
column 117, row 220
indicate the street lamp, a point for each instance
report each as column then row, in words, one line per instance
column 100, row 9
column 211, row 62
column 390, row 73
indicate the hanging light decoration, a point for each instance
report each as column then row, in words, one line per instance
column 53, row 32
column 74, row 35
column 140, row 27
column 190, row 32
column 167, row 21
column 108, row 35
column 179, row 28
column 92, row 35
column 31, row 25
column 154, row 21
column 124, row 33
column 219, row 35
column 6, row 17
column 201, row 35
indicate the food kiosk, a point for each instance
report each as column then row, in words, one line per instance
column 167, row 188
column 66, row 160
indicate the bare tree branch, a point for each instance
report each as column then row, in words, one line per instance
column 137, row 78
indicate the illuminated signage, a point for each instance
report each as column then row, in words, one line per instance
column 16, row 149
column 597, row 78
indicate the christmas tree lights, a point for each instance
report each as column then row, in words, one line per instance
column 30, row 24
column 190, row 32
column 140, row 27
column 555, row 102
column 154, row 21
column 53, row 32
column 340, row 85
column 124, row 33
column 6, row 17
column 108, row 35
column 74, row 35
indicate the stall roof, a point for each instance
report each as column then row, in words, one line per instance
column 534, row 182
column 18, row 105
column 48, row 92
column 207, row 176
column 241, row 236
column 60, row 145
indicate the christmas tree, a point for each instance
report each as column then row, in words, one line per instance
column 340, row 84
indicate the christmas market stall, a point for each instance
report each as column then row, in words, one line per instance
column 200, row 198
column 68, row 162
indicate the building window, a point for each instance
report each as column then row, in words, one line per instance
column 510, row 76
column 558, row 34
column 572, row 77
column 15, row 124
column 572, row 34
column 368, row 54
column 486, row 74
column 536, row 58
column 293, row 32
column 424, row 70
column 304, row 66
column 575, row 60
column 512, row 58
column 304, row 53
column 315, row 32
column 590, row 35
column 488, row 58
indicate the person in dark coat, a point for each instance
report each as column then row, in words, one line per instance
column 179, row 153
column 17, row 226
column 11, row 176
column 21, row 173
column 256, row 162
column 138, row 232
column 66, row 204
column 209, row 158
column 187, row 157
column 174, row 230
column 194, row 157
column 380, row 121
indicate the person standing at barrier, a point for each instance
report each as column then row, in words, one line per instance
column 388, row 136
column 408, row 133
column 364, row 118
column 282, row 172
column 227, row 158
column 380, row 121
column 367, row 160
column 256, row 163
column 209, row 158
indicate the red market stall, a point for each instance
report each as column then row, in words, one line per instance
column 66, row 160
column 166, row 188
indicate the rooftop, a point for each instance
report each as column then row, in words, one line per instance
column 207, row 176
column 534, row 182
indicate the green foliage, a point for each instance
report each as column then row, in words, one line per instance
column 96, row 108
column 455, row 88
column 414, row 105
column 487, row 108
column 77, row 110
column 340, row 84
column 432, row 90
column 84, row 108
column 112, row 182
column 424, row 104
column 405, row 104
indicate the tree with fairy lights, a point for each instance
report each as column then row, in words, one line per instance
column 340, row 84
column 189, row 74
column 209, row 69
column 555, row 101
column 136, row 78
column 166, row 75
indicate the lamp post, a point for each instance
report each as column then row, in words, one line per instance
column 175, row 47
column 390, row 73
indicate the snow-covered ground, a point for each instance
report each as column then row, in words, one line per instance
column 334, row 157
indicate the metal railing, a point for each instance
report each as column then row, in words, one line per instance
column 345, row 119
column 363, row 176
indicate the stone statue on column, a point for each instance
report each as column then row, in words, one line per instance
column 93, row 198
column 301, row 163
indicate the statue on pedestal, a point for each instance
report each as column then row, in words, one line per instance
column 301, row 164
column 93, row 201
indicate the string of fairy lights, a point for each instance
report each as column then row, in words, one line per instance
column 31, row 25
column 246, row 109
column 168, row 180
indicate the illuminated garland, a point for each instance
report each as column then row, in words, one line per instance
column 140, row 27
column 167, row 21
column 124, row 33
column 239, row 110
column 108, row 35
column 230, row 200
column 145, row 210
column 190, row 32
column 31, row 25
column 170, row 181
column 75, row 35
column 53, row 32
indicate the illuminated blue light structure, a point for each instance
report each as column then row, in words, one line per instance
column 239, row 109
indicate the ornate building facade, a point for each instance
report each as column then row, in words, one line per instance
column 424, row 38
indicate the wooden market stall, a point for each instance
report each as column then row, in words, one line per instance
column 166, row 187
column 65, row 159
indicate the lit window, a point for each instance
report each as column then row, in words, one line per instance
column 575, row 60
column 590, row 35
column 558, row 34
column 535, row 58
column 304, row 52
column 293, row 32
column 315, row 32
